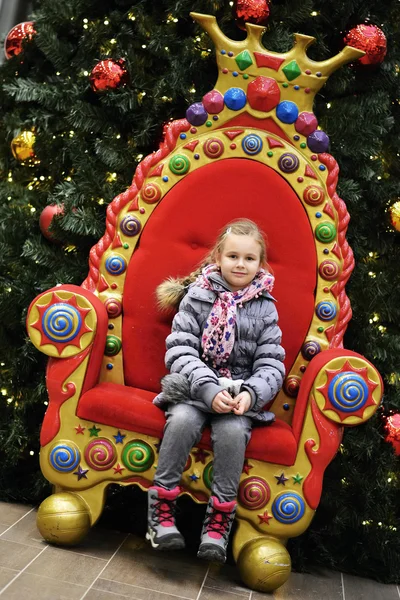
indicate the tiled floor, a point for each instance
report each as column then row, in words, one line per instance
column 111, row 565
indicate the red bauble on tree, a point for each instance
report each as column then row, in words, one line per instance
column 108, row 74
column 15, row 38
column 393, row 432
column 46, row 219
column 251, row 11
column 369, row 38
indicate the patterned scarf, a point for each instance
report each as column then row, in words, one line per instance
column 219, row 332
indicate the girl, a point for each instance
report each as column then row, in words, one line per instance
column 224, row 337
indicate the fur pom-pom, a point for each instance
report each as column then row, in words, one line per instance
column 169, row 293
column 175, row 388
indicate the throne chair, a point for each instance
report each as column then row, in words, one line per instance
column 251, row 148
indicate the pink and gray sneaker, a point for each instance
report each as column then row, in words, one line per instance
column 216, row 529
column 162, row 531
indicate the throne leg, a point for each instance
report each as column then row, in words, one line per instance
column 65, row 518
column 263, row 562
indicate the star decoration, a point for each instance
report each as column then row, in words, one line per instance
column 246, row 467
column 297, row 478
column 119, row 438
column 79, row 324
column 265, row 518
column 281, row 479
column 80, row 429
column 81, row 473
column 94, row 431
column 200, row 455
column 118, row 468
column 194, row 477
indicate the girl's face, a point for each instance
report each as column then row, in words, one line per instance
column 239, row 260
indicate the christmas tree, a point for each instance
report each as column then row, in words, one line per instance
column 85, row 93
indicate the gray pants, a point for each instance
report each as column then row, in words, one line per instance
column 230, row 435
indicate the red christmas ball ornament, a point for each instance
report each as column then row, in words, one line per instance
column 46, row 218
column 393, row 432
column 369, row 38
column 16, row 36
column 251, row 11
column 108, row 74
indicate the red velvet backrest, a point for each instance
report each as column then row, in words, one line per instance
column 181, row 230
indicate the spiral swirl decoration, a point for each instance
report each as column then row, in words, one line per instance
column 61, row 322
column 310, row 349
column 325, row 310
column 288, row 162
column 100, row 454
column 325, row 232
column 208, row 474
column 254, row 493
column 115, row 264
column 138, row 456
column 151, row 193
column 179, row 164
column 130, row 226
column 313, row 195
column 64, row 457
column 329, row 270
column 288, row 508
column 213, row 148
column 113, row 345
column 113, row 307
column 292, row 385
column 348, row 392
column 252, row 144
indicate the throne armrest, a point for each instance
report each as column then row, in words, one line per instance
column 345, row 386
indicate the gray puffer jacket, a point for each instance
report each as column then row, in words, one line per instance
column 257, row 356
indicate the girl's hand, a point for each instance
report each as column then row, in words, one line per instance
column 223, row 402
column 243, row 402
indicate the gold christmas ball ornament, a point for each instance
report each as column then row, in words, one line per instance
column 22, row 148
column 264, row 564
column 63, row 519
column 394, row 212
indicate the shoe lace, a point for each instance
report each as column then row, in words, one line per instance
column 219, row 521
column 164, row 510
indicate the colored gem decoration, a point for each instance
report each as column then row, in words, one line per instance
column 200, row 455
column 103, row 285
column 288, row 508
column 81, row 473
column 113, row 345
column 64, row 457
column 196, row 114
column 254, row 493
column 61, row 322
column 208, row 474
column 329, row 270
column 288, row 163
column 292, row 70
column 232, row 134
column 263, row 94
column 235, row 98
column 179, row 164
column 313, row 195
column 115, row 264
column 80, row 429
column 113, row 307
column 138, row 456
column 306, row 123
column 189, row 146
column 194, row 477
column 325, row 232
column 100, row 454
column 118, row 469
column 213, row 148
column 247, row 467
column 297, row 478
column 130, row 226
column 252, row 144
column 281, row 479
column 264, row 518
column 348, row 391
column 292, row 386
column 273, row 143
column 318, row 141
column 157, row 171
column 151, row 193
column 244, row 60
column 326, row 310
column 309, row 172
column 119, row 438
column 267, row 60
column 287, row 112
column 94, row 431
column 310, row 349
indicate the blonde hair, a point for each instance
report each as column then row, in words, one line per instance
column 170, row 292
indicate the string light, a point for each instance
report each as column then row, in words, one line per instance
column 106, row 22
